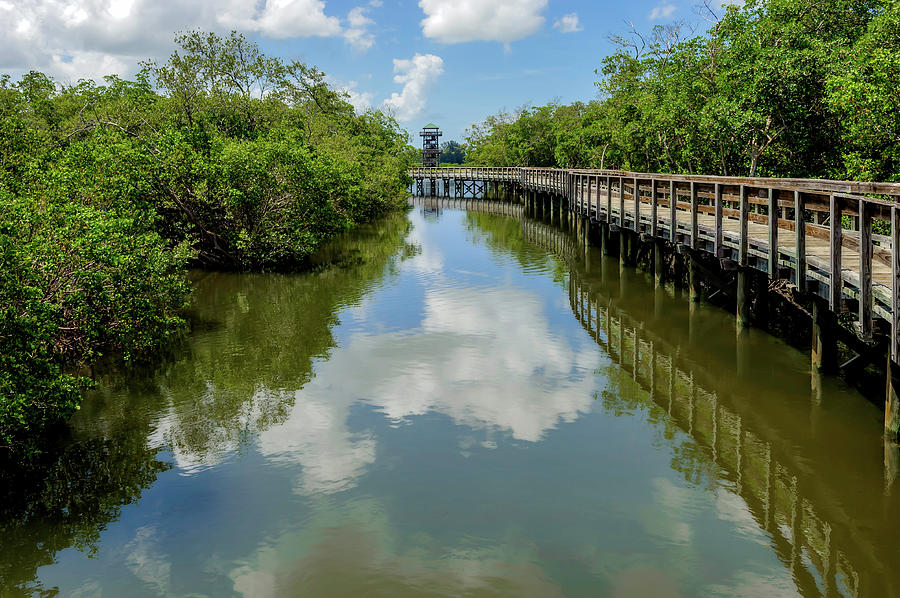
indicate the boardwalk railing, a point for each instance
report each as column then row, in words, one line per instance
column 822, row 235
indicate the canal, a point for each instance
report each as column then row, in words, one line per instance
column 459, row 402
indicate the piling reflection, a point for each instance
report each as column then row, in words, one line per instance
column 811, row 472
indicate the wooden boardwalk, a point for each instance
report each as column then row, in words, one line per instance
column 825, row 237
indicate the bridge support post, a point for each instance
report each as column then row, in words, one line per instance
column 554, row 215
column 695, row 288
column 627, row 248
column 659, row 266
column 605, row 233
column 624, row 251
column 824, row 343
column 892, row 401
column 743, row 298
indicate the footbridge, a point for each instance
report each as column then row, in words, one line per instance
column 830, row 243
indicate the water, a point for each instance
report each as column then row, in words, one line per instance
column 458, row 403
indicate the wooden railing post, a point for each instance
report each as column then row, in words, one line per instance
column 587, row 199
column 773, row 234
column 717, row 241
column 654, row 227
column 622, row 202
column 834, row 251
column 800, row 240
column 892, row 400
column 609, row 200
column 865, row 269
column 673, row 212
column 637, row 205
column 895, row 283
column 695, row 217
column 744, row 246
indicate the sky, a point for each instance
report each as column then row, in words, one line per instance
column 450, row 62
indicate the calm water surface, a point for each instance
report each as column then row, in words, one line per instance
column 460, row 404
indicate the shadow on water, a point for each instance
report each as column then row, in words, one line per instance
column 804, row 452
column 253, row 344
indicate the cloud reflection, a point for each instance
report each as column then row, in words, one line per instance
column 474, row 361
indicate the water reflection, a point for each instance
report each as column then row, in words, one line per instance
column 254, row 341
column 805, row 471
column 430, row 419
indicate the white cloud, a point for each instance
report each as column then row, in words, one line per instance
column 72, row 39
column 568, row 23
column 455, row 21
column 357, row 33
column 662, row 11
column 281, row 18
column 361, row 100
column 417, row 74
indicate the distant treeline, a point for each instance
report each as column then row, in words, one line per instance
column 794, row 88
column 222, row 157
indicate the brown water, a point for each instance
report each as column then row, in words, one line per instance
column 460, row 404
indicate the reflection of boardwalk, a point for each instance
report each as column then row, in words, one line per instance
column 829, row 550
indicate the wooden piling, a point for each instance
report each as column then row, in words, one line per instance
column 892, row 395
column 659, row 265
column 696, row 289
column 892, row 401
column 743, row 298
column 824, row 344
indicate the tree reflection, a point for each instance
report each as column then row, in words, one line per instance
column 261, row 335
column 254, row 342
column 67, row 498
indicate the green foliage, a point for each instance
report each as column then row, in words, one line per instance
column 764, row 92
column 452, row 153
column 865, row 91
column 239, row 161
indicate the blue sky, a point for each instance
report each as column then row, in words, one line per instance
column 451, row 62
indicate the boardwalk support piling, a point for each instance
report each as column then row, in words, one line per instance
column 824, row 343
column 743, row 298
column 892, row 402
column 696, row 290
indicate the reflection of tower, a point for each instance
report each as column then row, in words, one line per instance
column 431, row 145
column 432, row 213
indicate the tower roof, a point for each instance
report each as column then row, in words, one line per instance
column 430, row 126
